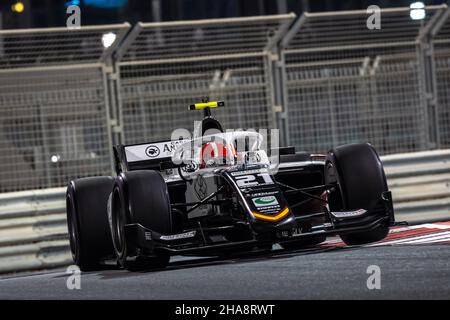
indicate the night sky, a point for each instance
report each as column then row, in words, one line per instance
column 51, row 13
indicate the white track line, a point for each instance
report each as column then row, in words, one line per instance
column 416, row 238
column 432, row 226
column 437, row 238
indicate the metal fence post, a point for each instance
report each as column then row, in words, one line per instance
column 284, row 98
column 109, row 110
column 278, row 81
column 112, row 94
column 427, row 142
column 113, row 90
column 440, row 41
column 280, row 98
column 281, row 79
column 427, row 79
column 429, row 93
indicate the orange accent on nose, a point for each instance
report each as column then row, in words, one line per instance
column 277, row 217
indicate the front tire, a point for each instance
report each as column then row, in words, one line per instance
column 360, row 178
column 140, row 197
column 87, row 221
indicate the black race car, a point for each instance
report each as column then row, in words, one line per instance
column 221, row 193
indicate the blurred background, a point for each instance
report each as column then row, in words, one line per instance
column 315, row 70
column 51, row 13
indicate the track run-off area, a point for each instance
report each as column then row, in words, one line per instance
column 413, row 263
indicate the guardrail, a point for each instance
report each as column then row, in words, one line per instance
column 420, row 184
column 33, row 232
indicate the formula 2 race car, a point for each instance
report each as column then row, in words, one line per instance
column 219, row 193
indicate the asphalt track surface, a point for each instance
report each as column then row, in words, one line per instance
column 414, row 263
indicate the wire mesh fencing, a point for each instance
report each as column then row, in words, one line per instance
column 155, row 97
column 165, row 67
column 346, row 83
column 53, row 106
column 323, row 79
column 330, row 104
column 53, row 127
column 441, row 44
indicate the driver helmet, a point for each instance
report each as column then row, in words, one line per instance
column 214, row 153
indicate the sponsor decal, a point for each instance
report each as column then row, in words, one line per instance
column 294, row 232
column 251, row 180
column 152, row 151
column 249, row 172
column 265, row 201
column 156, row 150
column 264, row 194
column 190, row 167
column 185, row 235
column 347, row 214
column 200, row 187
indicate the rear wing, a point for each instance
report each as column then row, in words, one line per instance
column 144, row 156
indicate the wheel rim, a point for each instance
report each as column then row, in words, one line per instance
column 118, row 223
column 71, row 225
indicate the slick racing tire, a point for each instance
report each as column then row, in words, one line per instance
column 87, row 221
column 310, row 242
column 139, row 197
column 360, row 177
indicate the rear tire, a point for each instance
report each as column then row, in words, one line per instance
column 140, row 197
column 359, row 174
column 87, row 221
